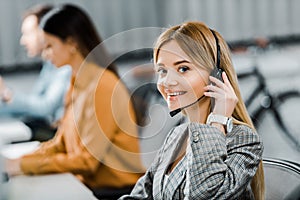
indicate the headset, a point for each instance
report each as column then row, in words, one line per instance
column 216, row 72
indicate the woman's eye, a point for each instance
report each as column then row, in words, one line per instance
column 47, row 46
column 161, row 71
column 183, row 69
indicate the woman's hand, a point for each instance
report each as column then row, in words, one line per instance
column 2, row 87
column 12, row 167
column 224, row 95
column 5, row 93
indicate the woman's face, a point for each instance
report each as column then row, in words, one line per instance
column 179, row 81
column 31, row 36
column 56, row 51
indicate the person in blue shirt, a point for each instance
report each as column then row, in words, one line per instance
column 42, row 108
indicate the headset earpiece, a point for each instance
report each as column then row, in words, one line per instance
column 217, row 71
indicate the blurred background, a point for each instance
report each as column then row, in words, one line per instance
column 236, row 20
column 261, row 33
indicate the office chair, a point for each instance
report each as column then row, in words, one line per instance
column 111, row 193
column 282, row 179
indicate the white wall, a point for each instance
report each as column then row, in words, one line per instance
column 235, row 19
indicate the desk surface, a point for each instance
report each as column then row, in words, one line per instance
column 12, row 130
column 47, row 187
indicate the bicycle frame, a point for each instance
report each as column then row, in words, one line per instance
column 271, row 102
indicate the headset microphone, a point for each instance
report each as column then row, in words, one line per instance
column 178, row 110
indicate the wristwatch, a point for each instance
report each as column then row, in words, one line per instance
column 226, row 121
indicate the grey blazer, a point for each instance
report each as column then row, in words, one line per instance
column 214, row 166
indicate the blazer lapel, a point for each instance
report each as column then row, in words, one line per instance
column 175, row 179
column 170, row 154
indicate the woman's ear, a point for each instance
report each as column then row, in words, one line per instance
column 73, row 45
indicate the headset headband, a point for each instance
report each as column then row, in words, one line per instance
column 218, row 48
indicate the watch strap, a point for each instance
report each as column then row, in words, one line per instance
column 217, row 118
column 225, row 121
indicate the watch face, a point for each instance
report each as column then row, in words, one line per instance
column 229, row 125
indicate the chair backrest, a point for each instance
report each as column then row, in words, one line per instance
column 282, row 179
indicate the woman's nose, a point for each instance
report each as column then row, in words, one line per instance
column 22, row 40
column 170, row 79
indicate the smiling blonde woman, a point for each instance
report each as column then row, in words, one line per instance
column 217, row 153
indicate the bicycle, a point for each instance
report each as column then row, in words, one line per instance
column 278, row 104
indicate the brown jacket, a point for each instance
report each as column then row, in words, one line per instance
column 97, row 138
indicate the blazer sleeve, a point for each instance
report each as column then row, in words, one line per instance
column 51, row 146
column 51, row 157
column 31, row 163
column 59, row 163
column 219, row 166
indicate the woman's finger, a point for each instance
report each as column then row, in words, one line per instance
column 216, row 81
column 212, row 88
column 227, row 82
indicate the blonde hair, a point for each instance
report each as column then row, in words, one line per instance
column 199, row 43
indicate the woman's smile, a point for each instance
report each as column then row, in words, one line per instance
column 173, row 96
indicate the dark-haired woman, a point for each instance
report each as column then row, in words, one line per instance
column 97, row 138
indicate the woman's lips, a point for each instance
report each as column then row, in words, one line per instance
column 173, row 95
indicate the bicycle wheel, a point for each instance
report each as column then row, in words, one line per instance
column 286, row 113
column 263, row 105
